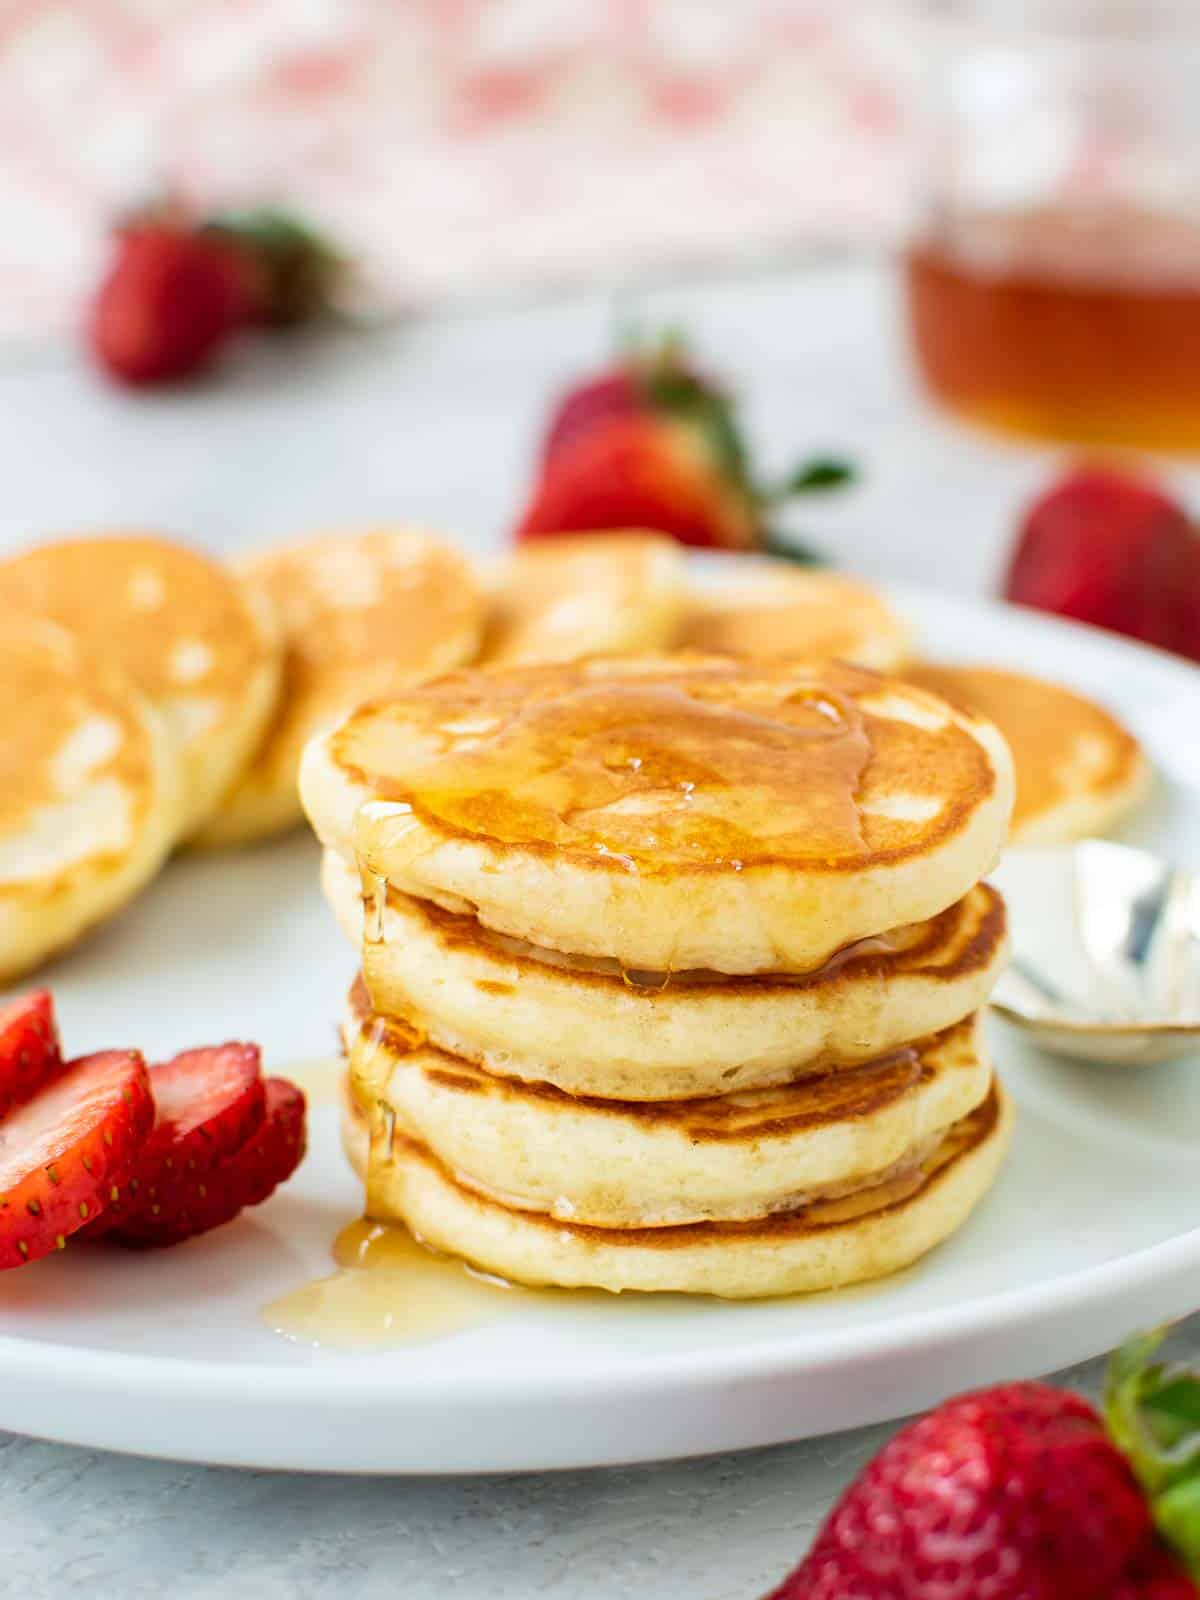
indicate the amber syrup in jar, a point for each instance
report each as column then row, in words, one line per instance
column 1063, row 324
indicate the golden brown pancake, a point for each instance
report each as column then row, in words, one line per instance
column 626, row 1163
column 669, row 812
column 589, row 594
column 1078, row 770
column 200, row 645
column 825, row 1245
column 88, row 791
column 589, row 1029
column 362, row 613
column 771, row 611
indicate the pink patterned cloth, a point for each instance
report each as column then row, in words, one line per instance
column 457, row 146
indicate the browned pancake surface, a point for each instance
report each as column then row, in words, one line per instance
column 361, row 612
column 662, row 765
column 171, row 619
column 845, row 1094
column 951, row 946
column 783, row 614
column 1063, row 745
column 568, row 597
column 820, row 1215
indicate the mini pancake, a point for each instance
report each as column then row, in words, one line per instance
column 362, row 613
column 1078, row 770
column 621, row 1164
column 88, row 791
column 590, row 594
column 771, row 611
column 826, row 1245
column 540, row 1016
column 669, row 812
column 202, row 646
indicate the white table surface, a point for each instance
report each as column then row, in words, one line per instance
column 435, row 422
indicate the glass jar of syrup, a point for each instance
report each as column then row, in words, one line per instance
column 1053, row 285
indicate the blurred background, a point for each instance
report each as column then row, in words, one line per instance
column 462, row 148
column 872, row 220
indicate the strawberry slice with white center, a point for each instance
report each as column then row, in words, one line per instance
column 208, row 1102
column 67, row 1153
column 247, row 1177
column 30, row 1054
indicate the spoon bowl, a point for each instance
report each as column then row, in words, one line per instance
column 1106, row 963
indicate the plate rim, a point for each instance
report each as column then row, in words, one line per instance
column 774, row 1357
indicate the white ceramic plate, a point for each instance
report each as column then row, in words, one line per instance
column 1091, row 1232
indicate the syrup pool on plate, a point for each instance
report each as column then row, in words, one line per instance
column 318, row 1078
column 391, row 1291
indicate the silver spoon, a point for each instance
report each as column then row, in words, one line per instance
column 1106, row 964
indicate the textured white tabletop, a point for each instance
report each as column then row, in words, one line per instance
column 435, row 422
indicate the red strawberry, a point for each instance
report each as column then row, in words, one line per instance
column 1112, row 550
column 207, row 1103
column 66, row 1153
column 612, row 394
column 246, row 1177
column 1018, row 1493
column 29, row 1049
column 173, row 294
column 637, row 472
column 1154, row 1574
column 653, row 443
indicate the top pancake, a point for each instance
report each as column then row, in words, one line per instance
column 590, row 594
column 772, row 611
column 669, row 812
column 88, row 791
column 362, row 613
column 1077, row 769
column 202, row 646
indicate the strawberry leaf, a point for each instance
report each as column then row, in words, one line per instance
column 299, row 272
column 815, row 476
column 822, row 472
column 1152, row 1411
column 686, row 398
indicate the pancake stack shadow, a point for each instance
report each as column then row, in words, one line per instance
column 671, row 969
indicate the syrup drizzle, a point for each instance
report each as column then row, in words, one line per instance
column 643, row 773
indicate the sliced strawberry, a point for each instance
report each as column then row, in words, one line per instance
column 207, row 1102
column 30, row 1054
column 247, row 1177
column 66, row 1154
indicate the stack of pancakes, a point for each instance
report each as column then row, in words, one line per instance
column 671, row 968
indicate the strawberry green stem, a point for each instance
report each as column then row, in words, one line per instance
column 1152, row 1411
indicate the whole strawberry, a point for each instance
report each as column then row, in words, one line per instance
column 654, row 443
column 178, row 286
column 1111, row 549
column 1019, row 1493
column 172, row 296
